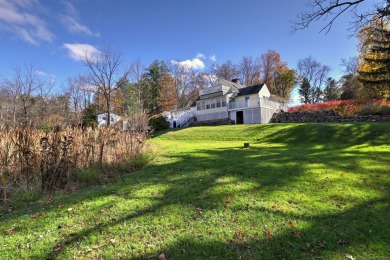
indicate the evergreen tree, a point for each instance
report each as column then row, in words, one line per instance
column 350, row 87
column 306, row 92
column 152, row 81
column 331, row 91
column 89, row 115
column 374, row 69
column 316, row 75
column 130, row 102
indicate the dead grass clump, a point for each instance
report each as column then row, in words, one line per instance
column 29, row 156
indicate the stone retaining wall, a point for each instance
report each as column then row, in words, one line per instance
column 324, row 116
column 225, row 121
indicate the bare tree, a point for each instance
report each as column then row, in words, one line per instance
column 43, row 93
column 227, row 71
column 316, row 74
column 24, row 82
column 137, row 69
column 106, row 75
column 205, row 79
column 184, row 78
column 330, row 10
column 350, row 65
column 250, row 70
column 75, row 90
column 6, row 104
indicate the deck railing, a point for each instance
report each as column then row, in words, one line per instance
column 261, row 102
column 266, row 103
column 180, row 122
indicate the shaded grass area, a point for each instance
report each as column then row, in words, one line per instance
column 300, row 191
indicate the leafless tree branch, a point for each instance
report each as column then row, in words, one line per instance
column 331, row 10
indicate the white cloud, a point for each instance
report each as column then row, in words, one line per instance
column 70, row 9
column 79, row 51
column 71, row 21
column 200, row 55
column 41, row 73
column 194, row 63
column 213, row 57
column 295, row 99
column 19, row 18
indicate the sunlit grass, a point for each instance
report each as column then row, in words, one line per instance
column 299, row 192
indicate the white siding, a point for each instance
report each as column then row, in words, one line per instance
column 212, row 116
column 232, row 115
column 256, row 116
column 264, row 92
column 266, row 115
column 248, row 116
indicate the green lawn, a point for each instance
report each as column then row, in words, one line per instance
column 301, row 191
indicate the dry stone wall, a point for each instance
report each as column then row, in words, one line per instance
column 324, row 116
column 225, row 121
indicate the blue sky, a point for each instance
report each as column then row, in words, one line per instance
column 51, row 33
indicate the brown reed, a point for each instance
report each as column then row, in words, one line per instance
column 29, row 156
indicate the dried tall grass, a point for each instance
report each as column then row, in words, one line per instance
column 29, row 156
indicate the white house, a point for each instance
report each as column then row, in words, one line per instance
column 231, row 100
column 102, row 119
column 180, row 117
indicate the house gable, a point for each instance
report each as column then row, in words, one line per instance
column 260, row 90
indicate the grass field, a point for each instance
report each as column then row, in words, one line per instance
column 301, row 191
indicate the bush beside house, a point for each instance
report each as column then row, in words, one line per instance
column 158, row 122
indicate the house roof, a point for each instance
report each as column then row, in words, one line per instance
column 194, row 103
column 250, row 90
column 106, row 114
column 227, row 83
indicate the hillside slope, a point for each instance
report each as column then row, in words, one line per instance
column 299, row 192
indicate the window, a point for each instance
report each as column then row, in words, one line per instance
column 199, row 106
column 218, row 102
column 112, row 119
column 213, row 103
column 224, row 102
column 104, row 118
column 208, row 104
column 246, row 101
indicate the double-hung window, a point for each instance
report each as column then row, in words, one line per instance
column 218, row 102
column 223, row 102
column 213, row 103
column 246, row 101
column 207, row 104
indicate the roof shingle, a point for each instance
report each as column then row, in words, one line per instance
column 250, row 90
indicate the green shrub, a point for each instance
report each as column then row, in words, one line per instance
column 89, row 115
column 142, row 159
column 89, row 176
column 158, row 122
column 374, row 109
column 24, row 196
column 139, row 160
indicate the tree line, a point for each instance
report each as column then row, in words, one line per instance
column 109, row 85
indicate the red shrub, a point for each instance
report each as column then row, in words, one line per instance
column 343, row 107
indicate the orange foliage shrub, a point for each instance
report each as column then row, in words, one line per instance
column 343, row 107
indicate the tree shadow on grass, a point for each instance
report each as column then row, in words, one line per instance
column 329, row 236
column 331, row 134
column 237, row 199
